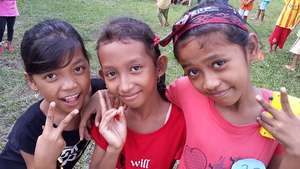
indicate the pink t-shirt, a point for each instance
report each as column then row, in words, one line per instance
column 8, row 8
column 212, row 141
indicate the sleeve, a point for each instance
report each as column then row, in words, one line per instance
column 98, row 138
column 171, row 93
column 27, row 137
column 97, row 84
column 279, row 149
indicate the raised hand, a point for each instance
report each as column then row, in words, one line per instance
column 284, row 125
column 50, row 144
column 99, row 103
column 113, row 128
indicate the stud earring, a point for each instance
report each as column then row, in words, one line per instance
column 36, row 94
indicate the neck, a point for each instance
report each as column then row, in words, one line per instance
column 155, row 105
column 245, row 110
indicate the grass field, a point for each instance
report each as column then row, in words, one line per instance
column 88, row 16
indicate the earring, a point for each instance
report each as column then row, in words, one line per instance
column 36, row 94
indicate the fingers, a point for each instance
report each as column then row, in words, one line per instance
column 50, row 116
column 285, row 102
column 106, row 118
column 65, row 122
column 108, row 99
column 267, row 107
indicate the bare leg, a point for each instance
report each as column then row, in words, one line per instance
column 262, row 15
column 258, row 14
column 159, row 15
column 294, row 63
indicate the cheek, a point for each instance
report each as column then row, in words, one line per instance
column 111, row 86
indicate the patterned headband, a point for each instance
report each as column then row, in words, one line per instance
column 201, row 16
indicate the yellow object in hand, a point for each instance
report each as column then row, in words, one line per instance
column 275, row 102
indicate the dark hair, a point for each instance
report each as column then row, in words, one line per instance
column 233, row 33
column 125, row 28
column 49, row 45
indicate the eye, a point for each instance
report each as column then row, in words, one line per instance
column 136, row 68
column 50, row 77
column 192, row 73
column 79, row 69
column 110, row 74
column 218, row 64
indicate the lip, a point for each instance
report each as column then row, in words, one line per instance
column 219, row 94
column 129, row 97
column 71, row 100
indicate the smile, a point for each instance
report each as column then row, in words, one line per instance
column 71, row 100
column 220, row 93
column 129, row 97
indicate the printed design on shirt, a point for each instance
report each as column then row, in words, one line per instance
column 194, row 158
column 71, row 153
column 142, row 163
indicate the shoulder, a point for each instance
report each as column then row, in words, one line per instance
column 32, row 116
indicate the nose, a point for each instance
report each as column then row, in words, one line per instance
column 211, row 82
column 69, row 83
column 125, row 84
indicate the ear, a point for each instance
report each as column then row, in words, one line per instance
column 161, row 65
column 30, row 81
column 252, row 48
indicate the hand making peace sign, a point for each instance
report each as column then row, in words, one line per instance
column 50, row 144
column 284, row 125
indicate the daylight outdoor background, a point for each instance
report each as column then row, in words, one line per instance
column 87, row 16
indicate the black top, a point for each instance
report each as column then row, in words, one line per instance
column 28, row 128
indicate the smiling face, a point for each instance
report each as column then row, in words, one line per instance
column 216, row 67
column 129, row 72
column 68, row 86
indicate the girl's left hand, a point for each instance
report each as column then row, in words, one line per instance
column 284, row 125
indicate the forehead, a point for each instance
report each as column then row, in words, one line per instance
column 198, row 49
column 122, row 52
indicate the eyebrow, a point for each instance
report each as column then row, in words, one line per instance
column 189, row 63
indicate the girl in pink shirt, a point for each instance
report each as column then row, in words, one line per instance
column 8, row 13
column 221, row 106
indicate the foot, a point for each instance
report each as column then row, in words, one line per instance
column 289, row 67
column 10, row 47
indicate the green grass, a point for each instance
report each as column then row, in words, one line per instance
column 89, row 15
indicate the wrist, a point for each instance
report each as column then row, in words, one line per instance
column 113, row 150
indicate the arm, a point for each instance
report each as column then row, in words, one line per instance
column 28, row 158
column 114, row 130
column 284, row 126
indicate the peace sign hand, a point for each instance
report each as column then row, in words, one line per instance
column 284, row 125
column 50, row 144
column 113, row 128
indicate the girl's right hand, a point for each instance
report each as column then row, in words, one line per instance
column 113, row 128
column 99, row 103
column 50, row 144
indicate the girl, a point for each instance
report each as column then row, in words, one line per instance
column 245, row 8
column 222, row 104
column 150, row 132
column 8, row 14
column 57, row 67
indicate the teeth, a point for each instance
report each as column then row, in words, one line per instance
column 71, row 98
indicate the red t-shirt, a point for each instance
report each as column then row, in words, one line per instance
column 156, row 150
